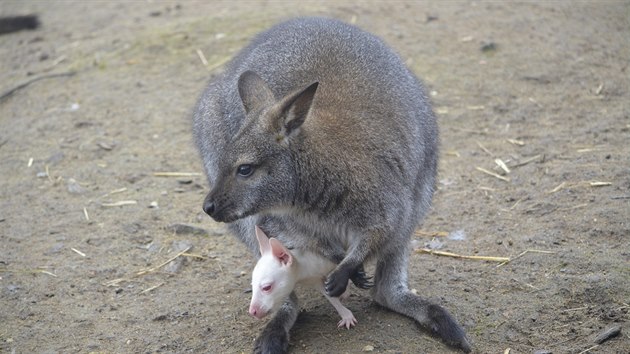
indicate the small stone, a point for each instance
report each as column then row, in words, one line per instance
column 488, row 47
column 180, row 229
column 74, row 187
column 609, row 333
column 154, row 205
column 368, row 348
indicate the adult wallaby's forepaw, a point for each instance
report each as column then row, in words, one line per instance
column 271, row 342
column 444, row 326
column 337, row 282
column 360, row 279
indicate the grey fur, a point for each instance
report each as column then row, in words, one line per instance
column 336, row 144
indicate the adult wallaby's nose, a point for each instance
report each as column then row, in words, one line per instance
column 208, row 206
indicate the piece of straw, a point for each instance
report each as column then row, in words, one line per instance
column 455, row 255
column 481, row 169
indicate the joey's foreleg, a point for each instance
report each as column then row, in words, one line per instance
column 347, row 318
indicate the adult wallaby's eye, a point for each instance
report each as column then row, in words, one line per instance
column 266, row 288
column 245, row 170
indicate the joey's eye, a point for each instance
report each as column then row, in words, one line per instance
column 266, row 288
column 245, row 170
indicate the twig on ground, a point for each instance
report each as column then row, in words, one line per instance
column 77, row 252
column 120, row 203
column 524, row 253
column 431, row 233
column 115, row 282
column 516, row 142
column 142, row 272
column 455, row 255
column 481, row 169
column 10, row 92
column 202, row 57
column 151, row 288
column 526, row 161
column 176, row 174
column 502, row 164
column 589, row 349
column 559, row 187
column 115, row 191
column 484, row 149
column 28, row 271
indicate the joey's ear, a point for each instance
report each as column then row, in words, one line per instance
column 263, row 241
column 294, row 109
column 254, row 91
column 280, row 252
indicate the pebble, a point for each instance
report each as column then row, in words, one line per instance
column 74, row 187
column 368, row 348
column 180, row 229
column 607, row 334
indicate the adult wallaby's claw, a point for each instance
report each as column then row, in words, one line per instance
column 337, row 282
column 361, row 280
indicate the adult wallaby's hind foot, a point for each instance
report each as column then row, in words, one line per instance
column 431, row 316
column 392, row 292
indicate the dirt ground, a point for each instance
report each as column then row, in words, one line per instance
column 87, row 226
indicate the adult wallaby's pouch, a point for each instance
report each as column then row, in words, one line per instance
column 317, row 132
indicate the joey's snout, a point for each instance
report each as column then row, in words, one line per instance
column 257, row 311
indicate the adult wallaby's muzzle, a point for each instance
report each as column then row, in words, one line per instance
column 209, row 207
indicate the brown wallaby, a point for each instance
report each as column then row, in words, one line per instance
column 318, row 133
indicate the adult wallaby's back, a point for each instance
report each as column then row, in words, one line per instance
column 318, row 133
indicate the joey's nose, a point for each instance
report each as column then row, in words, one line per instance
column 208, row 206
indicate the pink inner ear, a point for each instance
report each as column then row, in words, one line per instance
column 263, row 241
column 280, row 252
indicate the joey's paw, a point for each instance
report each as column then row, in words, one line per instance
column 360, row 279
column 347, row 322
column 445, row 326
column 337, row 282
column 271, row 342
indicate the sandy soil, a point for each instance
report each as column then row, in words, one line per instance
column 86, row 226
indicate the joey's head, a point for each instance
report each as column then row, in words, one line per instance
column 273, row 278
column 257, row 171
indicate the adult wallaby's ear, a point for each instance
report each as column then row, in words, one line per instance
column 254, row 91
column 294, row 108
column 280, row 252
column 263, row 241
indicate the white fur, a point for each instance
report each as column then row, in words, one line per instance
column 279, row 270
